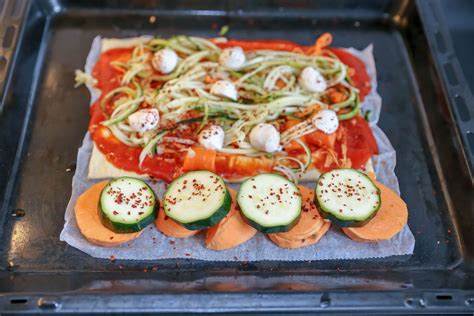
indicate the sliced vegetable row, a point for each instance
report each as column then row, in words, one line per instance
column 113, row 212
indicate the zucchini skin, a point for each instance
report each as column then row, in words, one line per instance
column 214, row 219
column 343, row 222
column 346, row 222
column 122, row 228
column 273, row 229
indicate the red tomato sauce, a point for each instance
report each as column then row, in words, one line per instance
column 361, row 143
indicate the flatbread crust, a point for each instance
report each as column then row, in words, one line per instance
column 101, row 168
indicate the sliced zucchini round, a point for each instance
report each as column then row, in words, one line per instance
column 127, row 205
column 270, row 203
column 197, row 200
column 347, row 197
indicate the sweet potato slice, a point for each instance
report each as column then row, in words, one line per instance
column 389, row 220
column 310, row 221
column 309, row 229
column 170, row 228
column 231, row 231
column 310, row 240
column 88, row 220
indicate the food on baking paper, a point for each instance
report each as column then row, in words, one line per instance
column 89, row 220
column 196, row 112
column 389, row 220
column 197, row 200
column 291, row 216
column 231, row 231
column 127, row 205
column 347, row 197
column 233, row 107
column 309, row 229
column 270, row 203
column 170, row 228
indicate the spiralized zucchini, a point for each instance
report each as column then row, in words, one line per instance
column 267, row 86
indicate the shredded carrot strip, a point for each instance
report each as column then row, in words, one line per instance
column 321, row 42
column 314, row 108
column 298, row 50
column 336, row 96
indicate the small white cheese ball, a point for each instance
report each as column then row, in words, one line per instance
column 312, row 80
column 265, row 137
column 224, row 88
column 144, row 120
column 212, row 137
column 165, row 60
column 326, row 121
column 232, row 57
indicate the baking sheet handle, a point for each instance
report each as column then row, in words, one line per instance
column 11, row 16
column 460, row 97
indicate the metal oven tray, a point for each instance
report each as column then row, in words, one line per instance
column 43, row 120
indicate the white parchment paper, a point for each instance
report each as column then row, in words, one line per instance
column 152, row 245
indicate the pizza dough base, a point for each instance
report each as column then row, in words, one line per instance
column 101, row 168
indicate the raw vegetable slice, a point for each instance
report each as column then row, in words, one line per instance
column 270, row 202
column 310, row 240
column 310, row 221
column 389, row 221
column 127, row 205
column 231, row 231
column 89, row 223
column 170, row 228
column 199, row 159
column 197, row 200
column 347, row 197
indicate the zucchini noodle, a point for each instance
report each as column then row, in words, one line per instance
column 267, row 86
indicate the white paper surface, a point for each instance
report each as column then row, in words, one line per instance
column 152, row 245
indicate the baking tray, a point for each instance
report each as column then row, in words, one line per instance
column 43, row 121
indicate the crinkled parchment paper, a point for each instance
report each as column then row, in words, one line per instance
column 153, row 245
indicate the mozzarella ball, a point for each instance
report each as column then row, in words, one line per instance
column 144, row 120
column 326, row 121
column 232, row 57
column 212, row 137
column 265, row 137
column 312, row 80
column 165, row 60
column 224, row 88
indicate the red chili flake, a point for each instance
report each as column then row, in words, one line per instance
column 112, row 258
column 171, row 242
column 111, row 237
column 187, row 254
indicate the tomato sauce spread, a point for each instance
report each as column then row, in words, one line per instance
column 359, row 142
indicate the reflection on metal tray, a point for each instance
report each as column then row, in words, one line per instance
column 44, row 120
